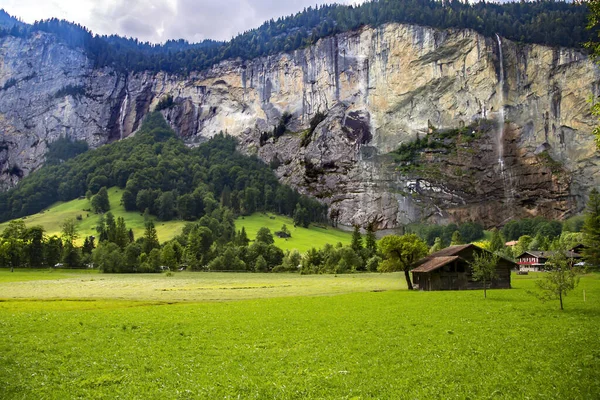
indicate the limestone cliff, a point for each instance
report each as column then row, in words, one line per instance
column 521, row 142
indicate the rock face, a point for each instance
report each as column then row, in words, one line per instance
column 533, row 153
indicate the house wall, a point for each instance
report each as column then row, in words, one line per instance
column 450, row 279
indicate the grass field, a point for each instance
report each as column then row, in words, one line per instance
column 72, row 335
column 52, row 218
column 302, row 239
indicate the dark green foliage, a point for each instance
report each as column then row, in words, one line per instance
column 100, row 202
column 264, row 236
column 545, row 22
column 160, row 174
column 150, row 238
column 514, row 229
column 314, row 122
column 357, row 241
column 591, row 230
column 165, row 103
column 64, row 149
column 469, row 232
column 438, row 141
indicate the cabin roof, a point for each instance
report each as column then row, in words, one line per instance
column 435, row 263
column 450, row 251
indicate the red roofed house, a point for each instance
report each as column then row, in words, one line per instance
column 449, row 269
column 532, row 261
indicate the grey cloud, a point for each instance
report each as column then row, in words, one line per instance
column 193, row 20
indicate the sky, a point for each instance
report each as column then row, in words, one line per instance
column 160, row 20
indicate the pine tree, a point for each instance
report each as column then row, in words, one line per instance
column 591, row 231
column 371, row 240
column 121, row 234
column 357, row 241
column 150, row 238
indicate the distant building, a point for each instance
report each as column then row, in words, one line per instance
column 449, row 269
column 511, row 243
column 533, row 261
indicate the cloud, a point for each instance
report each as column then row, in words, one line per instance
column 160, row 20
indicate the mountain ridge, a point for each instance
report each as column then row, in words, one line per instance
column 378, row 88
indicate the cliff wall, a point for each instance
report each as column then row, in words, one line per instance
column 513, row 119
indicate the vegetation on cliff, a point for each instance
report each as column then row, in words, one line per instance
column 554, row 23
column 161, row 176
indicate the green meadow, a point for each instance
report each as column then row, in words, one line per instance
column 302, row 238
column 69, row 335
column 53, row 217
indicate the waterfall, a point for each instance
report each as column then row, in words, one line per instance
column 509, row 191
column 123, row 113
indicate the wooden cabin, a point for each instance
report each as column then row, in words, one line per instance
column 449, row 269
column 534, row 261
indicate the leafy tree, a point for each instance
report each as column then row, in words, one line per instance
column 357, row 241
column 108, row 257
column 400, row 253
column 71, row 255
column 166, row 206
column 16, row 229
column 373, row 263
column 260, row 265
column 301, row 217
column 265, row 236
column 591, row 230
column 497, row 242
column 560, row 278
column 69, row 231
column 522, row 245
column 437, row 246
column 100, row 202
column 484, row 268
column 456, row 239
column 34, row 246
column 53, row 250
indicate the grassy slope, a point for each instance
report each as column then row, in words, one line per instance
column 396, row 344
column 302, row 238
column 52, row 218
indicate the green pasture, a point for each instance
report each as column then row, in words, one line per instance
column 302, row 239
column 53, row 217
column 86, row 335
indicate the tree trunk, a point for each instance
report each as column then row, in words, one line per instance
column 560, row 298
column 484, row 290
column 408, row 282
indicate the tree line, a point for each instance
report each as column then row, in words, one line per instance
column 554, row 23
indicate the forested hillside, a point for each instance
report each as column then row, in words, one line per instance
column 554, row 23
column 162, row 177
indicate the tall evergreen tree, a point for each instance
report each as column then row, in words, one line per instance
column 371, row 239
column 357, row 241
column 150, row 238
column 591, row 230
